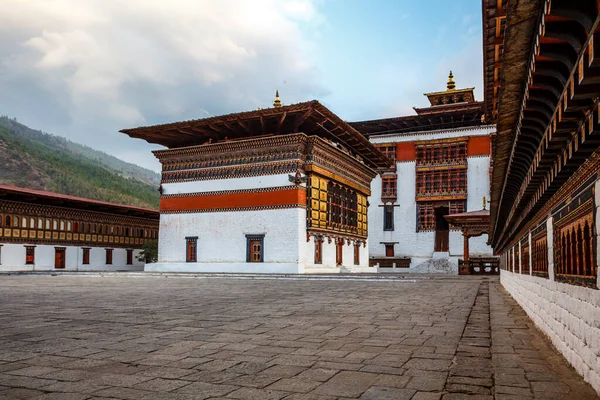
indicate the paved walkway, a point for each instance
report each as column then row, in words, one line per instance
column 176, row 338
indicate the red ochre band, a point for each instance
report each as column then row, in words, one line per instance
column 235, row 200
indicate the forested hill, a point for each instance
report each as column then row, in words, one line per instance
column 37, row 160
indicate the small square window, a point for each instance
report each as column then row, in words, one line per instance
column 255, row 248
column 191, row 244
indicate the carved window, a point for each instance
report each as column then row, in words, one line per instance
column 426, row 212
column 7, row 221
column 129, row 257
column 29, row 254
column 190, row 249
column 24, row 222
column 86, row 255
column 333, row 206
column 539, row 254
column 40, row 223
column 318, row 251
column 389, row 249
column 388, row 149
column 388, row 186
column 441, row 153
column 356, row 253
column 388, row 217
column 32, row 223
column 445, row 182
column 109, row 258
column 255, row 248
column 574, row 247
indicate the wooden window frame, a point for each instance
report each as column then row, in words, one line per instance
column 191, row 249
column 85, row 256
column 389, row 250
column 389, row 186
column 109, row 256
column 388, row 217
column 318, row 250
column 249, row 253
column 29, row 258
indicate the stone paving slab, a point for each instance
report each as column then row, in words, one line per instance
column 138, row 337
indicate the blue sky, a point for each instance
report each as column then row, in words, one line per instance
column 86, row 69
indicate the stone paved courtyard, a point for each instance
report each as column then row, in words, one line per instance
column 71, row 337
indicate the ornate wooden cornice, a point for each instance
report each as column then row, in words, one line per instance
column 546, row 99
column 311, row 118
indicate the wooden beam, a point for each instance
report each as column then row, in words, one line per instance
column 300, row 119
column 280, row 121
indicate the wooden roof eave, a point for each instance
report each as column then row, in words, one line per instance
column 522, row 21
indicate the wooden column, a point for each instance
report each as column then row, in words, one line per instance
column 466, row 249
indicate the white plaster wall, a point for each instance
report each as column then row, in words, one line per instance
column 12, row 258
column 421, row 244
column 328, row 257
column 252, row 182
column 222, row 240
column 434, row 135
column 568, row 314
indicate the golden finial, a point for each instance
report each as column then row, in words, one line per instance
column 484, row 202
column 451, row 84
column 277, row 102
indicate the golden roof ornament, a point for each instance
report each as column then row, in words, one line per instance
column 451, row 85
column 484, row 202
column 277, row 102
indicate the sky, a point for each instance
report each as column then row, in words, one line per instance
column 84, row 69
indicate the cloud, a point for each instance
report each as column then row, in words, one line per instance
column 86, row 69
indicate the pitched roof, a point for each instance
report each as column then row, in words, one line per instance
column 14, row 193
column 430, row 118
column 311, row 118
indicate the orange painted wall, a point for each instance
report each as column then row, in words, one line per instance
column 405, row 151
column 478, row 146
column 234, row 200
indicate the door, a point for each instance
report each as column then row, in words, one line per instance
column 59, row 257
column 442, row 229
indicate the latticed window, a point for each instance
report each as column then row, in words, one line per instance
column 388, row 149
column 388, row 186
column 441, row 153
column 190, row 248
column 442, row 182
column 525, row 257
column 426, row 212
column 539, row 254
column 333, row 206
column 574, row 254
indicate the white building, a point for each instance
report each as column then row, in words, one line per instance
column 49, row 231
column 442, row 167
column 277, row 190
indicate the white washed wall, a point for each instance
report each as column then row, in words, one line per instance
column 222, row 240
column 12, row 258
column 252, row 182
column 568, row 314
column 434, row 135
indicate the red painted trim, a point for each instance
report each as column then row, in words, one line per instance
column 478, row 146
column 235, row 200
column 405, row 151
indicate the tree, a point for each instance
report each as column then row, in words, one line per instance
column 149, row 253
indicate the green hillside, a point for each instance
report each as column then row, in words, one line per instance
column 37, row 160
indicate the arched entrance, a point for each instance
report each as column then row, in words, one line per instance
column 442, row 229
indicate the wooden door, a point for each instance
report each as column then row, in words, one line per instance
column 255, row 249
column 339, row 248
column 442, row 229
column 59, row 257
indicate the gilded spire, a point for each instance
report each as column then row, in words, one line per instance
column 451, row 84
column 277, row 102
